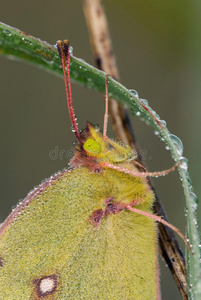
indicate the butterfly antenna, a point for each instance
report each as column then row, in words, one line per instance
column 106, row 108
column 64, row 53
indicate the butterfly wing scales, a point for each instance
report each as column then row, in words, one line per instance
column 52, row 241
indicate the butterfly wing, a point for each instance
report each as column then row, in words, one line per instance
column 60, row 243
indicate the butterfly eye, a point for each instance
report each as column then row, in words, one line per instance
column 92, row 147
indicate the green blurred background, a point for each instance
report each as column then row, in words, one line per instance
column 158, row 50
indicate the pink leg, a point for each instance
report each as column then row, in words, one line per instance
column 136, row 202
column 139, row 174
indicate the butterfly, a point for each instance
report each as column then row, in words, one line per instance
column 87, row 232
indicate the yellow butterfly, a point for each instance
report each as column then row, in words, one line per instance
column 87, row 232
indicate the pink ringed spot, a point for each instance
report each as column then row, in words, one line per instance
column 45, row 285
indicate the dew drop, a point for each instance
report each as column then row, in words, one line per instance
column 135, row 93
column 14, row 207
column 144, row 101
column 71, row 50
column 27, row 42
column 163, row 123
column 97, row 128
column 167, row 148
column 138, row 113
column 194, row 200
column 184, row 163
column 7, row 32
column 156, row 132
column 178, row 143
column 156, row 115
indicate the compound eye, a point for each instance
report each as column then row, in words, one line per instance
column 92, row 147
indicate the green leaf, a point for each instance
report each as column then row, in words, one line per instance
column 20, row 45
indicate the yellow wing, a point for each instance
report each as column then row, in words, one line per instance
column 68, row 240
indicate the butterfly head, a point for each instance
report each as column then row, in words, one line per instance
column 93, row 144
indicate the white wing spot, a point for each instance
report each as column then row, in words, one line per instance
column 47, row 285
